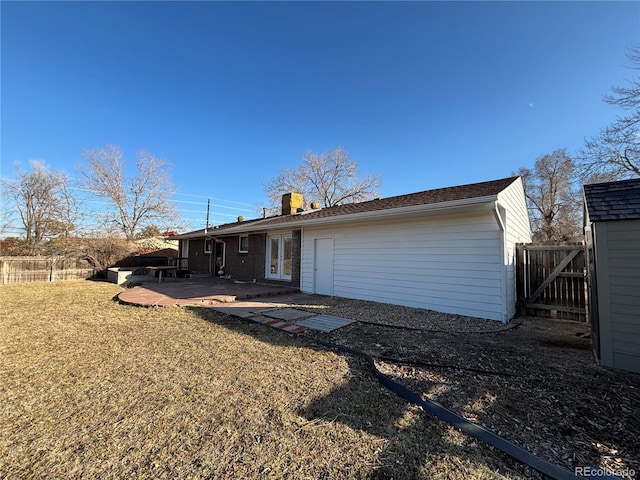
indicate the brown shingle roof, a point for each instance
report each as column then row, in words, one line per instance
column 428, row 197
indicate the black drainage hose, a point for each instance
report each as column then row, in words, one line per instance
column 457, row 421
column 461, row 423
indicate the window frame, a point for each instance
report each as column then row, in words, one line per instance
column 240, row 241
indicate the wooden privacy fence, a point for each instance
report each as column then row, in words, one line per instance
column 550, row 280
column 44, row 269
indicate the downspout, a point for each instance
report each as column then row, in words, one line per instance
column 503, row 267
column 496, row 212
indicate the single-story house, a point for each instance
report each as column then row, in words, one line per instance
column 612, row 233
column 450, row 249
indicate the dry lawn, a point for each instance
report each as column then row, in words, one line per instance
column 90, row 388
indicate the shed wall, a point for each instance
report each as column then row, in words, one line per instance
column 618, row 270
column 451, row 264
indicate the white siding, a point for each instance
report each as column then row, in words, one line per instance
column 451, row 264
column 517, row 230
column 618, row 270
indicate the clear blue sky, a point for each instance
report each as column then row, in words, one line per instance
column 426, row 94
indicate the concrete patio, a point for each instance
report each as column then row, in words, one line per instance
column 198, row 291
column 265, row 304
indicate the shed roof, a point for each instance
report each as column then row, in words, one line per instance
column 461, row 194
column 613, row 200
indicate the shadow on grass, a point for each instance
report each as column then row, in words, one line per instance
column 417, row 445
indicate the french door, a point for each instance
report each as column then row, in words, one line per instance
column 279, row 256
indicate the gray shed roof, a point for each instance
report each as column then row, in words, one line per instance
column 461, row 193
column 613, row 200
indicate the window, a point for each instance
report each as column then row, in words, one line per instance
column 243, row 246
column 208, row 245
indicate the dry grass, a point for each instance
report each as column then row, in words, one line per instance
column 93, row 389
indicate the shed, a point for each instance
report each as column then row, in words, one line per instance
column 612, row 234
column 449, row 249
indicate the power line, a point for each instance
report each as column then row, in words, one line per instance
column 214, row 198
column 217, row 205
column 213, row 205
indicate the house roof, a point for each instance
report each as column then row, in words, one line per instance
column 163, row 252
column 441, row 197
column 613, row 200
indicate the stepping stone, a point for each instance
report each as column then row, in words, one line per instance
column 288, row 314
column 324, row 323
column 279, row 324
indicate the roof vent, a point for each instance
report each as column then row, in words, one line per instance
column 315, row 205
column 240, row 219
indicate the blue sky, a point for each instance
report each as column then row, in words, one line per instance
column 425, row 94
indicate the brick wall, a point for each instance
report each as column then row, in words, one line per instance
column 246, row 266
column 296, row 254
column 198, row 260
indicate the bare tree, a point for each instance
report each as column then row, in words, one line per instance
column 43, row 203
column 614, row 153
column 552, row 198
column 135, row 201
column 330, row 179
column 104, row 251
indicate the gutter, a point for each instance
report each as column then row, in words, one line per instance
column 301, row 219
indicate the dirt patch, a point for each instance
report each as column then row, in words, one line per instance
column 533, row 381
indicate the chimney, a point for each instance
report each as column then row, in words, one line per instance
column 291, row 203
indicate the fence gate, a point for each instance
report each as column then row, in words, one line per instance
column 551, row 280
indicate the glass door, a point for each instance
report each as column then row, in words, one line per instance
column 279, row 257
column 287, row 250
column 274, row 256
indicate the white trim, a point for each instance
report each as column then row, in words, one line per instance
column 467, row 205
column 184, row 254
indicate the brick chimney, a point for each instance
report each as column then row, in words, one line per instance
column 291, row 203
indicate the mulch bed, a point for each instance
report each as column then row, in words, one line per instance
column 533, row 381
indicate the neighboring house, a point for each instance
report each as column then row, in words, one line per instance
column 160, row 242
column 450, row 250
column 612, row 232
